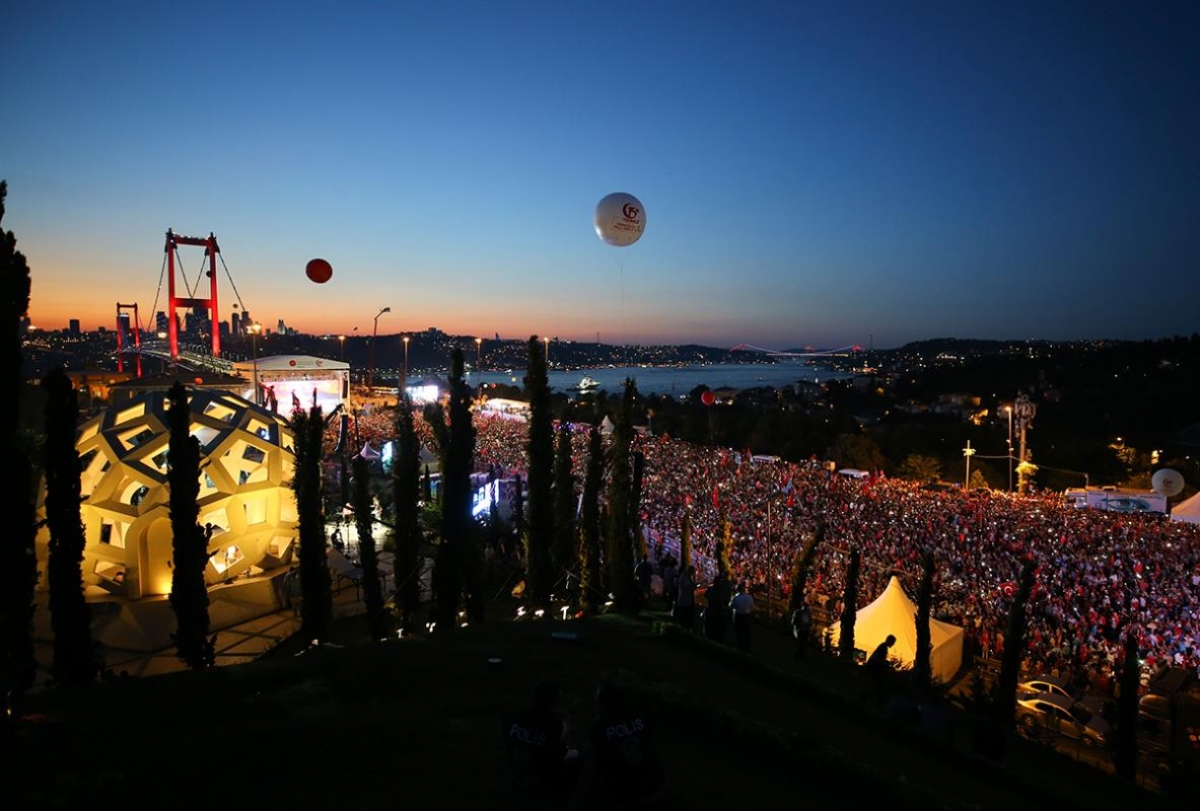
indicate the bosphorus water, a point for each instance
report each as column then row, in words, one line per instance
column 671, row 380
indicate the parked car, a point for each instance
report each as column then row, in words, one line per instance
column 1058, row 686
column 1062, row 715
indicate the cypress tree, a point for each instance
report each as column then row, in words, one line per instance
column 18, row 559
column 539, row 537
column 406, row 484
column 849, row 607
column 70, row 616
column 1127, row 708
column 518, row 508
column 316, row 607
column 635, row 505
column 455, row 567
column 724, row 545
column 922, row 668
column 566, row 535
column 462, row 440
column 803, row 566
column 368, row 557
column 591, row 584
column 189, row 591
column 619, row 552
column 1014, row 649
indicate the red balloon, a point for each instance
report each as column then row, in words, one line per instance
column 319, row 271
column 708, row 398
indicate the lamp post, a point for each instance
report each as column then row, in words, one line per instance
column 1008, row 408
column 375, row 332
column 547, row 340
column 341, row 347
column 968, row 452
column 478, row 354
column 404, row 379
column 254, row 329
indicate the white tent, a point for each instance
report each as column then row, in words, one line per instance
column 894, row 613
column 1188, row 510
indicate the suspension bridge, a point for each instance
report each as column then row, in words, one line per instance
column 809, row 352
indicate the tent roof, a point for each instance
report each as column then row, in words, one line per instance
column 892, row 612
column 1187, row 510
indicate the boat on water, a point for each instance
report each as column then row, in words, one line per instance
column 586, row 384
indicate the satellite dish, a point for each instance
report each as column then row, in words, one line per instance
column 1168, row 482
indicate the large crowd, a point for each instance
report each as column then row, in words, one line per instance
column 1099, row 575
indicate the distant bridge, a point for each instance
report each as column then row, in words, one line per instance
column 808, row 353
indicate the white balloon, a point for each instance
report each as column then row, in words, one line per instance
column 620, row 219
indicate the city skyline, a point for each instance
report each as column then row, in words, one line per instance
column 811, row 174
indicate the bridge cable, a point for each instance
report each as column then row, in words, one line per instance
column 161, row 275
column 229, row 276
column 199, row 277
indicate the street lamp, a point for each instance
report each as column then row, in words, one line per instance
column 968, row 452
column 404, row 379
column 1008, row 409
column 371, row 370
column 342, row 347
column 547, row 340
column 254, row 329
column 478, row 354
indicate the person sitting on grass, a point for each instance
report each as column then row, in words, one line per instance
column 536, row 747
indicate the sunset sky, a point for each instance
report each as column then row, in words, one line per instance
column 813, row 173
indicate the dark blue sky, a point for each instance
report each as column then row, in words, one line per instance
column 812, row 173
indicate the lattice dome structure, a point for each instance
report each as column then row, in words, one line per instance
column 246, row 466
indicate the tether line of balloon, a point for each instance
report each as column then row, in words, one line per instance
column 620, row 221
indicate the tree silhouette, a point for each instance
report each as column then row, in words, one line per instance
column 539, row 537
column 922, row 668
column 18, row 559
column 1014, row 649
column 619, row 547
column 1130, row 679
column 70, row 617
column 406, row 483
column 566, row 535
column 316, row 605
column 803, row 565
column 368, row 557
column 849, row 607
column 685, row 540
column 456, row 567
column 724, row 544
column 189, row 590
column 591, row 586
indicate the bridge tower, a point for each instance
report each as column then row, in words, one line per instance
column 137, row 338
column 175, row 302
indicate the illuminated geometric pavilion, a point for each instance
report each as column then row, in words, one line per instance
column 247, row 464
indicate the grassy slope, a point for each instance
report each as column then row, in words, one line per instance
column 420, row 721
